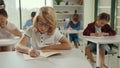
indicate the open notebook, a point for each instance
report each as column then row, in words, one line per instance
column 45, row 53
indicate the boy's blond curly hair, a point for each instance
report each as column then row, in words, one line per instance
column 46, row 15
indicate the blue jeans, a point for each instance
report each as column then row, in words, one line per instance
column 74, row 37
column 93, row 47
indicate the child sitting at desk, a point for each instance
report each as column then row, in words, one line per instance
column 74, row 24
column 7, row 29
column 43, row 34
column 29, row 22
column 99, row 27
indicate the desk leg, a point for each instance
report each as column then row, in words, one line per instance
column 119, row 50
column 68, row 36
column 97, row 59
column 84, row 44
column 118, row 55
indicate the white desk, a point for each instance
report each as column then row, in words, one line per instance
column 6, row 42
column 68, row 59
column 67, row 32
column 103, row 40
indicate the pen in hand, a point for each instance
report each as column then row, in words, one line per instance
column 33, row 52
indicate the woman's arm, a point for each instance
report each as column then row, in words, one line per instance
column 64, row 45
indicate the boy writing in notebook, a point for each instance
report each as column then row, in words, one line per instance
column 99, row 27
column 74, row 24
column 43, row 34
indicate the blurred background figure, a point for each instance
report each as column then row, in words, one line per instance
column 74, row 24
column 30, row 21
column 2, row 4
column 7, row 30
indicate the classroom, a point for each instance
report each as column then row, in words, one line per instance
column 60, row 33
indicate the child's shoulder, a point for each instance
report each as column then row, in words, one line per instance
column 11, row 25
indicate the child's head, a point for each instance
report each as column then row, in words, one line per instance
column 45, row 21
column 33, row 14
column 2, row 4
column 102, row 19
column 75, row 18
column 3, row 18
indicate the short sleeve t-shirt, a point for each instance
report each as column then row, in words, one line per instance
column 97, row 29
column 41, row 40
column 6, row 34
column 28, row 23
column 11, row 26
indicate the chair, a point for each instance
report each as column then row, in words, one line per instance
column 112, row 52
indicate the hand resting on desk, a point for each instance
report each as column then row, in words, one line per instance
column 99, row 34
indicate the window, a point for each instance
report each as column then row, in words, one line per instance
column 19, row 10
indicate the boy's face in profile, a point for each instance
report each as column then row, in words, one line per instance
column 3, row 21
column 101, row 22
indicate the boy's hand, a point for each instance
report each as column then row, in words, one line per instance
column 99, row 34
column 70, row 28
column 103, row 34
column 33, row 53
column 94, row 34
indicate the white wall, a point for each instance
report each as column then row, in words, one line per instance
column 12, row 8
column 14, row 16
column 88, row 12
column 12, row 12
column 49, row 2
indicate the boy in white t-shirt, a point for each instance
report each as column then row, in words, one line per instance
column 43, row 34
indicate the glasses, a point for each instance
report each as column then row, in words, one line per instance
column 43, row 24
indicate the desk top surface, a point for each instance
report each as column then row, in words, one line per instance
column 71, row 31
column 103, row 39
column 4, row 42
column 68, row 59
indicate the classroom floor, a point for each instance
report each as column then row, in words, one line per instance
column 110, row 60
